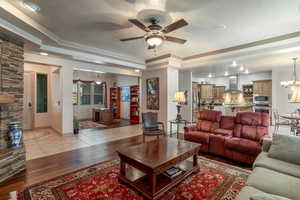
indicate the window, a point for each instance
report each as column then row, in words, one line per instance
column 125, row 94
column 85, row 93
column 75, row 94
column 99, row 94
column 42, row 93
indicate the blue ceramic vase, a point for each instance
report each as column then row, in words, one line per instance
column 15, row 134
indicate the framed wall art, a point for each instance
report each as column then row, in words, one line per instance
column 152, row 93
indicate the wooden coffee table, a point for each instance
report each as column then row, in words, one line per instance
column 149, row 160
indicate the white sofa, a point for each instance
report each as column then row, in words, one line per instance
column 275, row 178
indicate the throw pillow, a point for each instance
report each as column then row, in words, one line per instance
column 285, row 148
column 267, row 197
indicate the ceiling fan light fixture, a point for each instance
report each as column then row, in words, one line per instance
column 154, row 40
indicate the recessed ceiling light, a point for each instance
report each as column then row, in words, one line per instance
column 33, row 7
column 234, row 64
column 209, row 75
column 137, row 70
column 242, row 68
column 226, row 73
column 246, row 71
column 43, row 53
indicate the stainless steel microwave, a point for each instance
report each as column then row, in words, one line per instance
column 261, row 99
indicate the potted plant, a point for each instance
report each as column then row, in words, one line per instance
column 75, row 125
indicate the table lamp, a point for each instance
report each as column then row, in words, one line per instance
column 179, row 98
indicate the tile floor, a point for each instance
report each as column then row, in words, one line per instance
column 45, row 142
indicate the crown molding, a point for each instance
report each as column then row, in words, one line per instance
column 64, row 62
column 246, row 46
column 91, row 57
column 158, row 58
column 12, row 28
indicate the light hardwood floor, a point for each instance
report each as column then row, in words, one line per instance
column 44, row 142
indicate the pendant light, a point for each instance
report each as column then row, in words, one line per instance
column 98, row 82
column 294, row 81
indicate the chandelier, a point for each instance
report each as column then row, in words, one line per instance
column 293, row 82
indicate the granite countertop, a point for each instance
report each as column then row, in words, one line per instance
column 237, row 105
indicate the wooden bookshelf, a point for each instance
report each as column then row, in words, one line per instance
column 115, row 101
column 134, row 104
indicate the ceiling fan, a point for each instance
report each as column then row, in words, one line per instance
column 156, row 34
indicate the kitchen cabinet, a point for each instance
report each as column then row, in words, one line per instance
column 218, row 92
column 262, row 87
column 206, row 91
column 248, row 90
column 196, row 100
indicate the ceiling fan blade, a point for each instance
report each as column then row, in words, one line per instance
column 175, row 39
column 139, row 24
column 151, row 47
column 133, row 38
column 176, row 25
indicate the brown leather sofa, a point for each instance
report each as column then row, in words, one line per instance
column 238, row 138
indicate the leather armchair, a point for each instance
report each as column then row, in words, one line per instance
column 151, row 125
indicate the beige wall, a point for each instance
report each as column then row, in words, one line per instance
column 162, row 74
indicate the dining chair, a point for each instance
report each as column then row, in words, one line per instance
column 279, row 122
column 151, row 125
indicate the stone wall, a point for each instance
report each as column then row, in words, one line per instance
column 12, row 160
column 11, row 81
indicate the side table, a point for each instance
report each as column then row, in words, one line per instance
column 177, row 123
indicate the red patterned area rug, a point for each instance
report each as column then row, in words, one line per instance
column 214, row 181
column 90, row 124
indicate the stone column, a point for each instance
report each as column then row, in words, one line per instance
column 11, row 73
column 12, row 160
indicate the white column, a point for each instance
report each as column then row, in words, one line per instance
column 168, row 86
column 185, row 84
column 172, row 89
column 66, row 98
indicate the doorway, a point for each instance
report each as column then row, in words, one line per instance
column 41, row 97
column 28, row 101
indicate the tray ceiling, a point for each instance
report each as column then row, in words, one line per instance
column 213, row 24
